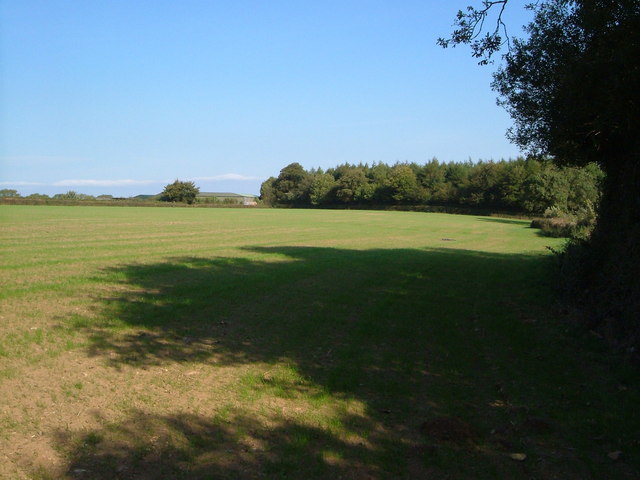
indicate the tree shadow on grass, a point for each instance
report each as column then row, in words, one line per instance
column 301, row 302
column 415, row 335
column 185, row 446
column 523, row 223
column 507, row 221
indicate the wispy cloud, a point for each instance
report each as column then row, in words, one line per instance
column 125, row 182
column 22, row 184
column 228, row 176
column 102, row 183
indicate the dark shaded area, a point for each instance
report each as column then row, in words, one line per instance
column 416, row 335
column 314, row 299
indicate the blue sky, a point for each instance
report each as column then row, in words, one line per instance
column 122, row 97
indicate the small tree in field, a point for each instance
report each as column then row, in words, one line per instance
column 9, row 193
column 70, row 195
column 180, row 192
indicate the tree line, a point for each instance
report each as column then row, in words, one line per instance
column 70, row 195
column 176, row 194
column 530, row 186
column 178, row 191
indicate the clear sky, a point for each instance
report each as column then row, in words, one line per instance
column 122, row 97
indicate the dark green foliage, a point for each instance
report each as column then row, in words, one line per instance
column 402, row 185
column 292, row 185
column 322, row 189
column 179, row 191
column 571, row 88
column 431, row 178
column 267, row 193
column 563, row 226
column 353, row 186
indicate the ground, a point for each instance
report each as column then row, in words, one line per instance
column 211, row 343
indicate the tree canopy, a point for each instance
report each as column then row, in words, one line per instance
column 180, row 191
column 533, row 186
column 571, row 86
column 572, row 89
column 9, row 193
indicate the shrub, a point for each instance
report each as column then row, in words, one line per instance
column 554, row 227
column 180, row 192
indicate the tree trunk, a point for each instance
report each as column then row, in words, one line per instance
column 606, row 283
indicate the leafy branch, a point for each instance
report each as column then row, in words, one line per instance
column 470, row 30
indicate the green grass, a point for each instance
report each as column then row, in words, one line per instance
column 214, row 343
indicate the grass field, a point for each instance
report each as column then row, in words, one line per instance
column 212, row 343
